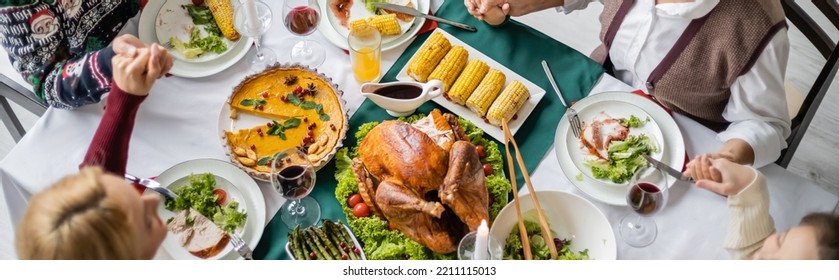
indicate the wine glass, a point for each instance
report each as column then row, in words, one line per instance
column 252, row 19
column 293, row 176
column 302, row 18
column 647, row 195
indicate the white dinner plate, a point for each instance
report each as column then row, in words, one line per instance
column 536, row 93
column 615, row 109
column 174, row 21
column 336, row 33
column 182, row 68
column 569, row 216
column 671, row 143
column 239, row 187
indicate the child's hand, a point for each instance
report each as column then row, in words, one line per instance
column 724, row 177
column 136, row 75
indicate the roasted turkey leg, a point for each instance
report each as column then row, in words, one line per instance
column 464, row 189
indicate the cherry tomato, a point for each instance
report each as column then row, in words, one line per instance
column 355, row 199
column 197, row 2
column 481, row 152
column 221, row 196
column 361, row 210
column 487, row 169
column 391, row 226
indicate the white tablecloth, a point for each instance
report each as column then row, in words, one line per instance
column 179, row 122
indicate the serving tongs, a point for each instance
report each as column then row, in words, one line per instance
column 543, row 223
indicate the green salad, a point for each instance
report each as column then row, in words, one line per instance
column 198, row 44
column 381, row 243
column 201, row 195
column 514, row 250
column 625, row 157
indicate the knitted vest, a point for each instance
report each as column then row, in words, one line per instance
column 695, row 76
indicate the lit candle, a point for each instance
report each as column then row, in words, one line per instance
column 252, row 16
column 481, row 240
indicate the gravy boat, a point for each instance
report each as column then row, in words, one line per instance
column 401, row 99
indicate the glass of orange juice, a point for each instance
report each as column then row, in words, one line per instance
column 365, row 44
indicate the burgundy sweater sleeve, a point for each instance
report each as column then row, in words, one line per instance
column 109, row 147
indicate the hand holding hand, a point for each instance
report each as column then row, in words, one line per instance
column 136, row 75
column 127, row 45
column 732, row 177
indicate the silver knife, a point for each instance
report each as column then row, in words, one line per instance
column 414, row 12
column 666, row 168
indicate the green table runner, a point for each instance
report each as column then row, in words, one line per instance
column 515, row 45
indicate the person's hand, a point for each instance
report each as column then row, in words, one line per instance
column 480, row 8
column 733, row 177
column 162, row 57
column 127, row 45
column 136, row 75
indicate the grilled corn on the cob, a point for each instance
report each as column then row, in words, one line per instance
column 450, row 67
column 386, row 24
column 223, row 13
column 468, row 80
column 508, row 103
column 428, row 56
column 487, row 91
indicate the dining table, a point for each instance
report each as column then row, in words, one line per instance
column 179, row 122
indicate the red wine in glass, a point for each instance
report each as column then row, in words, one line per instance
column 296, row 181
column 302, row 20
column 646, row 198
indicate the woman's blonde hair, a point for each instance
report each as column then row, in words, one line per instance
column 76, row 219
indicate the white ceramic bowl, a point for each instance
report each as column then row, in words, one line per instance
column 570, row 217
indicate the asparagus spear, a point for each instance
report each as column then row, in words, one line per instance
column 339, row 227
column 336, row 252
column 314, row 237
column 329, row 227
column 312, row 246
column 301, row 244
column 296, row 246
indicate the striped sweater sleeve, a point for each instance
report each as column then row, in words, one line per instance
column 749, row 222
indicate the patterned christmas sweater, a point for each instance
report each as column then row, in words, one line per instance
column 62, row 47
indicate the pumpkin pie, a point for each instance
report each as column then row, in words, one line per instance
column 302, row 109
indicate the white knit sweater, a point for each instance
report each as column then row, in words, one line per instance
column 749, row 222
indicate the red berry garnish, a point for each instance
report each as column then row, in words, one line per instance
column 312, row 255
column 311, row 133
column 332, row 126
column 344, row 257
column 356, row 251
column 260, row 107
column 343, row 245
column 253, row 147
column 298, row 90
column 305, row 119
column 264, row 94
column 516, row 117
column 486, row 120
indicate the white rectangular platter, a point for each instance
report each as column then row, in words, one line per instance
column 536, row 93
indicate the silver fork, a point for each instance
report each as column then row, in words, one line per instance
column 241, row 246
column 573, row 118
column 152, row 185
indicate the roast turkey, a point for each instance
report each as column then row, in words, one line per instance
column 426, row 179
